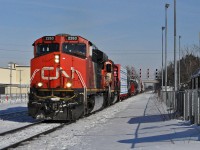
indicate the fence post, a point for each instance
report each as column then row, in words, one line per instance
column 198, row 109
column 188, row 99
column 7, row 98
column 193, row 113
column 184, row 106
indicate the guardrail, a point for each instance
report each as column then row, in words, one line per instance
column 185, row 105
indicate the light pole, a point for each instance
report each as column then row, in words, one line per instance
column 11, row 65
column 199, row 40
column 163, row 28
column 10, row 80
column 175, row 63
column 166, row 6
column 179, row 70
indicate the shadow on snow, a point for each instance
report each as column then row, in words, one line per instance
column 9, row 114
column 189, row 133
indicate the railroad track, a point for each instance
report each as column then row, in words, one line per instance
column 19, row 129
column 18, row 136
column 13, row 133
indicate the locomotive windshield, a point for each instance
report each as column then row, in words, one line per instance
column 47, row 48
column 77, row 49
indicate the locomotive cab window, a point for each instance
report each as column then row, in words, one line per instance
column 46, row 48
column 76, row 49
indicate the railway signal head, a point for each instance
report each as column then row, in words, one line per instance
column 156, row 73
column 147, row 73
column 140, row 73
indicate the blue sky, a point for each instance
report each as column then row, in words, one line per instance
column 128, row 31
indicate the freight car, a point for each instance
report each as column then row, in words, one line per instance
column 123, row 78
column 127, row 86
column 133, row 87
column 69, row 77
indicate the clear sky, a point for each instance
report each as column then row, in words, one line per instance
column 128, row 31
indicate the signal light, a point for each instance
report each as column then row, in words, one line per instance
column 140, row 73
column 147, row 73
column 156, row 73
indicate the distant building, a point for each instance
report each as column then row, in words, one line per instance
column 14, row 79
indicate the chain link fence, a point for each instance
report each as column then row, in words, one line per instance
column 184, row 104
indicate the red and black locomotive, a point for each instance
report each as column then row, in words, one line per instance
column 70, row 77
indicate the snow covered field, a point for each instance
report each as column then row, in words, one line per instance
column 8, row 123
column 140, row 122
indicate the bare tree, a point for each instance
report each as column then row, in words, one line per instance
column 189, row 63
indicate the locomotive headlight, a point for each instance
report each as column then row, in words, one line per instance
column 40, row 84
column 57, row 58
column 69, row 84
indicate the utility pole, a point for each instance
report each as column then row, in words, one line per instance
column 20, row 81
column 166, row 6
column 199, row 40
column 179, row 79
column 10, row 64
column 163, row 28
column 199, row 43
column 175, row 63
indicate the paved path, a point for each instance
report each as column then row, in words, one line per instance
column 144, row 124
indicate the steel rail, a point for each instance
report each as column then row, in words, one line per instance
column 35, row 136
column 19, row 129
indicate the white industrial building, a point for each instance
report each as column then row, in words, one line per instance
column 14, row 79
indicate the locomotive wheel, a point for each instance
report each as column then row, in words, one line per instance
column 77, row 111
column 114, row 97
column 91, row 103
column 107, row 98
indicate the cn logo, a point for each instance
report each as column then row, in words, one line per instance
column 56, row 76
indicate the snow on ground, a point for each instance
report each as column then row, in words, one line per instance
column 4, row 100
column 15, row 121
column 135, row 123
column 13, row 106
